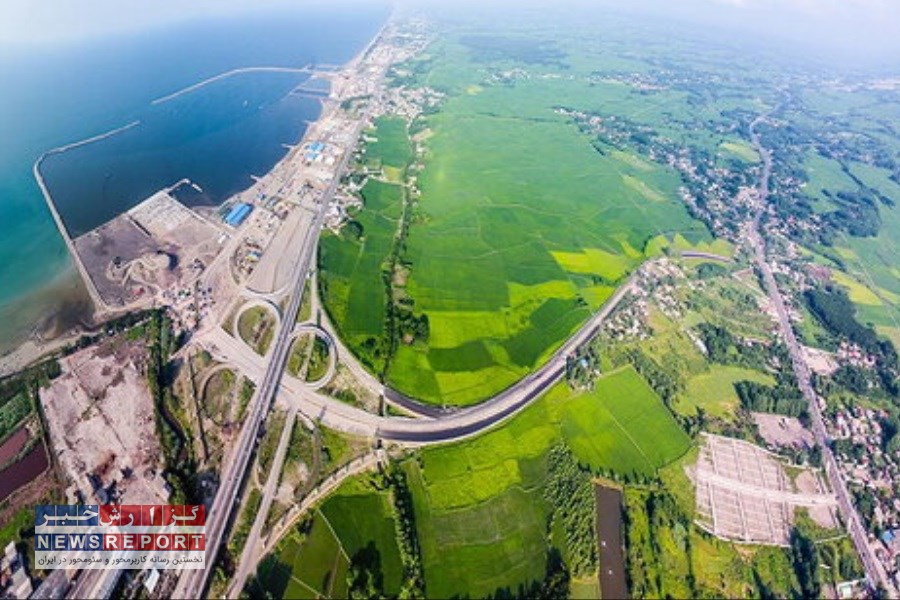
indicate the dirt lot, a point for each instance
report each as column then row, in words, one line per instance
column 102, row 425
column 150, row 248
column 779, row 430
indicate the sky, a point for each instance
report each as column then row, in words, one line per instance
column 49, row 21
column 848, row 28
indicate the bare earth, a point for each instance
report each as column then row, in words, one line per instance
column 779, row 430
column 147, row 249
column 101, row 420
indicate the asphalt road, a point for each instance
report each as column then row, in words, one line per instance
column 193, row 583
column 874, row 570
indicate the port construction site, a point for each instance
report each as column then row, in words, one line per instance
column 158, row 249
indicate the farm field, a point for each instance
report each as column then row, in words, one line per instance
column 867, row 267
column 313, row 561
column 512, row 245
column 525, row 223
column 350, row 272
column 479, row 509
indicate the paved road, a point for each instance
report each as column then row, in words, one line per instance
column 406, row 431
column 268, row 493
column 459, row 424
column 193, row 583
column 874, row 570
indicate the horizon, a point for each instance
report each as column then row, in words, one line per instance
column 850, row 31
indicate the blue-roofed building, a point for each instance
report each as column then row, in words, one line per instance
column 317, row 146
column 238, row 214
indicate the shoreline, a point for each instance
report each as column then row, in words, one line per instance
column 61, row 309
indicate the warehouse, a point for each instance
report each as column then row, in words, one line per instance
column 238, row 214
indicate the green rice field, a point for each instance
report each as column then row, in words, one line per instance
column 523, row 228
column 479, row 509
column 314, row 562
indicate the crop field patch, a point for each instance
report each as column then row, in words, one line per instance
column 450, row 329
column 360, row 516
column 641, row 187
column 392, row 147
column 471, row 356
column 315, row 564
column 496, row 543
column 478, row 503
column 742, row 150
column 623, row 425
column 306, row 568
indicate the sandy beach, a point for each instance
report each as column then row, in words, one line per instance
column 43, row 321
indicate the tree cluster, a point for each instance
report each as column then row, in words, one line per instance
column 570, row 495
column 805, row 559
column 180, row 464
column 835, row 311
column 726, row 348
column 405, row 524
column 662, row 382
column 365, row 580
column 782, row 399
column 582, row 368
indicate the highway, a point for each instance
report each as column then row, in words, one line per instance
column 874, row 570
column 193, row 583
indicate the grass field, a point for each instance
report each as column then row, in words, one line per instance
column 742, row 150
column 478, row 503
column 299, row 353
column 256, row 326
column 318, row 360
column 714, row 392
column 314, row 563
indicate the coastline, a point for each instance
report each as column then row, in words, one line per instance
column 58, row 312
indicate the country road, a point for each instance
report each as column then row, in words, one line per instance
column 268, row 494
column 874, row 570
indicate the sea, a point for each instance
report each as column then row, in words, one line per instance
column 219, row 135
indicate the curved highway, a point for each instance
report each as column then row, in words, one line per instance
column 451, row 425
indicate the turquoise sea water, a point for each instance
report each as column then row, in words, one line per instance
column 218, row 135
